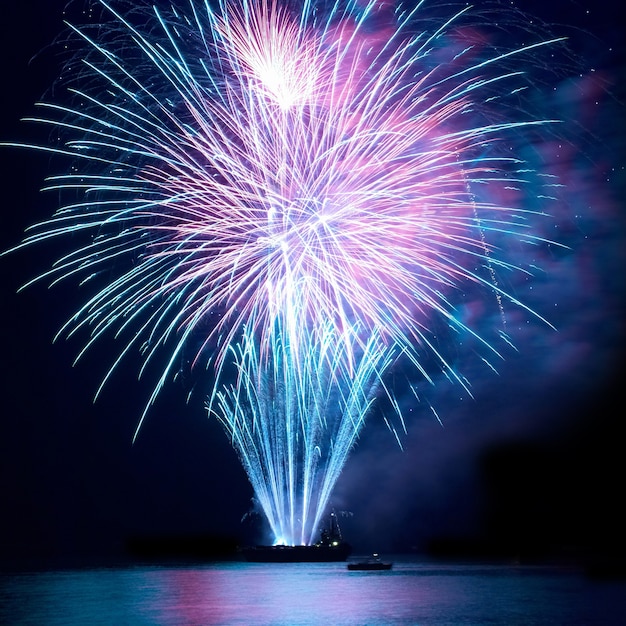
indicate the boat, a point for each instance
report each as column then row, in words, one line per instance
column 330, row 548
column 297, row 554
column 374, row 563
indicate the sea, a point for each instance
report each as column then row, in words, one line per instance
column 413, row 592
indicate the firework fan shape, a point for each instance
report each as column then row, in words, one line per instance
column 295, row 191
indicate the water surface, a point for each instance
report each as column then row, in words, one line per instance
column 301, row 594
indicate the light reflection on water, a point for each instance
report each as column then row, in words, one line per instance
column 310, row 594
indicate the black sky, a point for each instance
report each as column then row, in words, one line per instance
column 534, row 464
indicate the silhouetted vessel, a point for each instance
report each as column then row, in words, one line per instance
column 375, row 563
column 331, row 547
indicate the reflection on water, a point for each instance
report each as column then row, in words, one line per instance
column 304, row 593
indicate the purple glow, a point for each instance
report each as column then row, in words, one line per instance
column 300, row 198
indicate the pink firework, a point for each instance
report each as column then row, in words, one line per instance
column 302, row 188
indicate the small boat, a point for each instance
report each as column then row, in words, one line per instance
column 374, row 563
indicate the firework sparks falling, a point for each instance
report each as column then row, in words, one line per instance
column 293, row 422
column 318, row 185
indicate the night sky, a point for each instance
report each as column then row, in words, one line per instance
column 533, row 465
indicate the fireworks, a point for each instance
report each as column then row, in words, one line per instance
column 294, row 192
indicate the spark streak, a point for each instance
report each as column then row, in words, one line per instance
column 298, row 190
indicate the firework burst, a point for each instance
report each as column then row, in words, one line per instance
column 298, row 190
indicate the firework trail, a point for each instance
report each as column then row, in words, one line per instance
column 296, row 191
